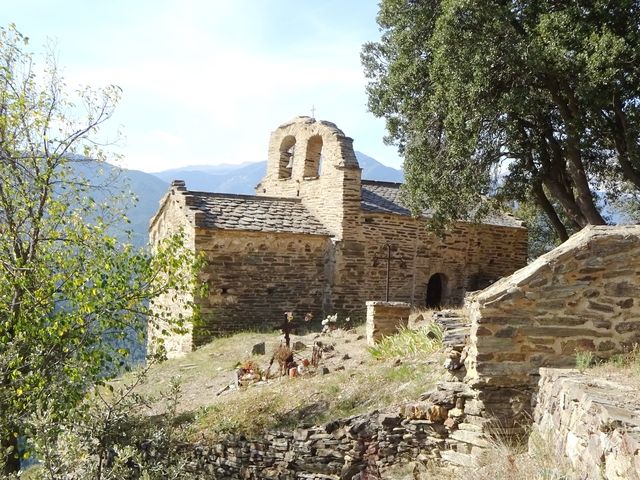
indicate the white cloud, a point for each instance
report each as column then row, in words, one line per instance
column 207, row 81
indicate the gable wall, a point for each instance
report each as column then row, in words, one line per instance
column 333, row 195
column 172, row 218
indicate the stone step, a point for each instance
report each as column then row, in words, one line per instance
column 455, row 328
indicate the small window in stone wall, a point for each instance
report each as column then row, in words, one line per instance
column 313, row 157
column 287, row 154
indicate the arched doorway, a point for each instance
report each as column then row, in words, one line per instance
column 436, row 288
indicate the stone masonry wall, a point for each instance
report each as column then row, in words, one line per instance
column 172, row 217
column 254, row 277
column 470, row 256
column 584, row 295
column 385, row 318
column 339, row 449
column 593, row 422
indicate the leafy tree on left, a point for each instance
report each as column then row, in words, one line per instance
column 69, row 291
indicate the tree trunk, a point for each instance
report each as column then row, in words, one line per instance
column 624, row 146
column 550, row 211
column 585, row 200
column 554, row 176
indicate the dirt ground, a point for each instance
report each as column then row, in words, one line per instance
column 207, row 375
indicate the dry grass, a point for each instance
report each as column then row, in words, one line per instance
column 500, row 461
column 205, row 371
column 357, row 382
column 624, row 368
column 507, row 462
column 287, row 403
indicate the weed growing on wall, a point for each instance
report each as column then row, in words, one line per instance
column 583, row 360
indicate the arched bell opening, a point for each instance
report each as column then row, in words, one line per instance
column 313, row 157
column 287, row 153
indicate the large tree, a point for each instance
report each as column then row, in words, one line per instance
column 530, row 101
column 69, row 291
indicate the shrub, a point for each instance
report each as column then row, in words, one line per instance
column 408, row 343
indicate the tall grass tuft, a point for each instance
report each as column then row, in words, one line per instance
column 408, row 343
column 583, row 360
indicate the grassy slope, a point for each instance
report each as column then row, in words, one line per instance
column 357, row 384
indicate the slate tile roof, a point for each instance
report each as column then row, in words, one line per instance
column 227, row 211
column 247, row 212
column 384, row 197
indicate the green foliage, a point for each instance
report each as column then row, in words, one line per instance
column 584, row 360
column 70, row 293
column 499, row 102
column 409, row 343
column 110, row 436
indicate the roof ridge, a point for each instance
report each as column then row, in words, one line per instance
column 242, row 196
column 380, row 182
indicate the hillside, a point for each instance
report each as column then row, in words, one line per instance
column 351, row 372
column 110, row 180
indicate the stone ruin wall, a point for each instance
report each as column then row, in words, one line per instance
column 470, row 256
column 254, row 277
column 338, row 449
column 385, row 319
column 592, row 422
column 172, row 217
column 582, row 296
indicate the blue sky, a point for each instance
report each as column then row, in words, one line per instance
column 206, row 81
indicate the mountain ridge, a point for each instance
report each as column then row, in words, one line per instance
column 243, row 179
column 149, row 188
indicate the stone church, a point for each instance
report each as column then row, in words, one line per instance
column 317, row 238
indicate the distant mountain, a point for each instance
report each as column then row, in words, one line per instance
column 374, row 170
column 243, row 178
column 111, row 180
column 218, row 169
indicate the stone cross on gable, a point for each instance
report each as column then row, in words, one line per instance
column 313, row 111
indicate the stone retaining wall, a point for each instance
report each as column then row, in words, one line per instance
column 592, row 422
column 582, row 296
column 337, row 450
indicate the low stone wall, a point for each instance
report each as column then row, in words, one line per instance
column 338, row 450
column 582, row 296
column 591, row 422
column 384, row 319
